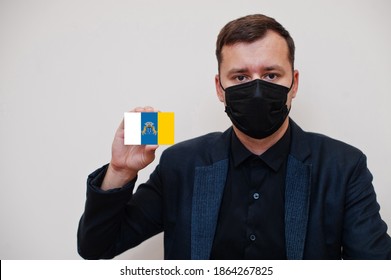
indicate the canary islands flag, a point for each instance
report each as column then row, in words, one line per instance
column 149, row 128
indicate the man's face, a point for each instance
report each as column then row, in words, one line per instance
column 266, row 59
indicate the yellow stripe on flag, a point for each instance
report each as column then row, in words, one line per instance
column 165, row 128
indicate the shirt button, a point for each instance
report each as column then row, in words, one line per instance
column 253, row 237
column 256, row 195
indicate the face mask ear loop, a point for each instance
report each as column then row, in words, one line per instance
column 290, row 88
column 227, row 109
column 221, row 84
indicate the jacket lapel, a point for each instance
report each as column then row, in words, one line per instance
column 297, row 194
column 208, row 190
column 209, row 183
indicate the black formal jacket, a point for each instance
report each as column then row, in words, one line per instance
column 330, row 204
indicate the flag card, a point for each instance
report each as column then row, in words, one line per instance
column 149, row 128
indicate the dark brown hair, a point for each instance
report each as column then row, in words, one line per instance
column 249, row 29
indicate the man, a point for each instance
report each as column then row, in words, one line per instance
column 263, row 189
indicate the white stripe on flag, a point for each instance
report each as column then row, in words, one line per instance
column 132, row 124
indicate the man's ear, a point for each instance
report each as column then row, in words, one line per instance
column 296, row 83
column 219, row 91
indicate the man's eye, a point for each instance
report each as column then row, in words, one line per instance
column 240, row 78
column 270, row 77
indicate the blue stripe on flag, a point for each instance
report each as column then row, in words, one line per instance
column 149, row 128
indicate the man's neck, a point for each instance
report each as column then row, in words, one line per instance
column 259, row 146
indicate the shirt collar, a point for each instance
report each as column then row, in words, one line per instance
column 274, row 157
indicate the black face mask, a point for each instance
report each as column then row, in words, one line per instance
column 257, row 108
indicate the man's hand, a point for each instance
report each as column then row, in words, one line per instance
column 127, row 160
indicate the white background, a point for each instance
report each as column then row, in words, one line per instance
column 69, row 69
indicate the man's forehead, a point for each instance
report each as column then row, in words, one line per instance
column 270, row 35
column 271, row 51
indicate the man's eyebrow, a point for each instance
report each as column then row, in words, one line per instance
column 274, row 67
column 237, row 70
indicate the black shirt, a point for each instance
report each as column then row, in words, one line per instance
column 251, row 218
